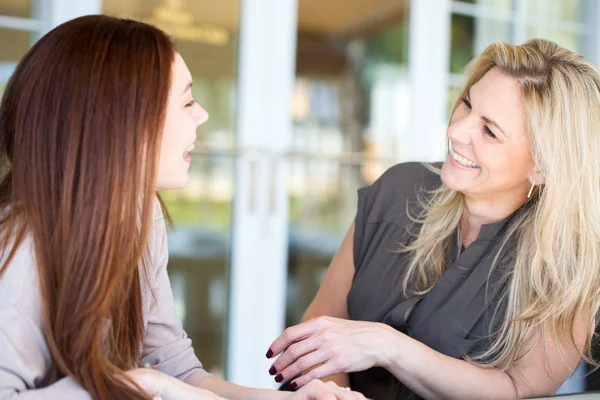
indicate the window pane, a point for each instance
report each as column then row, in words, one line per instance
column 470, row 36
column 16, row 8
column 351, row 96
column 567, row 10
column 453, row 93
column 499, row 4
column 462, row 45
column 352, row 81
column 206, row 34
column 13, row 46
column 571, row 41
column 322, row 207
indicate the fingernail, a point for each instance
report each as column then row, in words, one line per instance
column 293, row 385
column 272, row 371
column 278, row 378
column 269, row 353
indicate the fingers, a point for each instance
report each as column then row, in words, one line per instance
column 320, row 372
column 290, row 336
column 298, row 358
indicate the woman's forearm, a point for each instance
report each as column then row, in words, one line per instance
column 433, row 375
column 236, row 392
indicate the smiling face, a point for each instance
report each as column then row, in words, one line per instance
column 489, row 153
column 183, row 116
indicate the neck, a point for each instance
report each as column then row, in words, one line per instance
column 480, row 211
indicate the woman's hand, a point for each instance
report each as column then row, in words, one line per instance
column 317, row 390
column 156, row 383
column 332, row 345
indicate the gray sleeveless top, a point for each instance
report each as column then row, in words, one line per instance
column 457, row 315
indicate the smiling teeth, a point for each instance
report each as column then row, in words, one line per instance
column 192, row 147
column 465, row 162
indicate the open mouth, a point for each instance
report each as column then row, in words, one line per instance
column 465, row 162
column 186, row 154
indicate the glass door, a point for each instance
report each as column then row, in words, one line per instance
column 351, row 111
column 207, row 34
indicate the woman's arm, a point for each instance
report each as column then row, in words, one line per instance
column 331, row 297
column 235, row 392
column 338, row 345
column 314, row 390
column 540, row 372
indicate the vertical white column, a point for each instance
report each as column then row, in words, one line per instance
column 519, row 34
column 259, row 247
column 55, row 12
column 429, row 59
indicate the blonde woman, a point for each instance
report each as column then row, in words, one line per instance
column 479, row 279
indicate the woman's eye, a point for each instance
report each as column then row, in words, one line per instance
column 466, row 102
column 486, row 129
column 489, row 132
column 191, row 103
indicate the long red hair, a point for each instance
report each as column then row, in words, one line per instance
column 81, row 124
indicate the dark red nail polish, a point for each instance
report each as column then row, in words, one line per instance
column 269, row 353
column 278, row 378
column 293, row 385
column 272, row 371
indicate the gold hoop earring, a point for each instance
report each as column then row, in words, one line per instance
column 531, row 189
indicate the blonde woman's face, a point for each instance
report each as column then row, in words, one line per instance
column 489, row 154
column 184, row 115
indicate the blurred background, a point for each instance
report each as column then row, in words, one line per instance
column 309, row 100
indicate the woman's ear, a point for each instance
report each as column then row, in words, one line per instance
column 537, row 177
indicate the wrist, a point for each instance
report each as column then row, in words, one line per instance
column 265, row 394
column 391, row 342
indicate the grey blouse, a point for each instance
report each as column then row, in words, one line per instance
column 456, row 316
column 26, row 367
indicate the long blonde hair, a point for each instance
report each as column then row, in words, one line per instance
column 556, row 270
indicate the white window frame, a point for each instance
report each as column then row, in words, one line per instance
column 429, row 60
column 45, row 15
column 266, row 76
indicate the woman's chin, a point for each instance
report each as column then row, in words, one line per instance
column 173, row 184
column 450, row 178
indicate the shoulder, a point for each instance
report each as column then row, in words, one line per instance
column 408, row 175
column 388, row 197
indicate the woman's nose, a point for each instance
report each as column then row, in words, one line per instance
column 461, row 130
column 201, row 115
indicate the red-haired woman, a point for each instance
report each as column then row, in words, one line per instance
column 97, row 117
